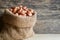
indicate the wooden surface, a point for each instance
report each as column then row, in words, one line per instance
column 48, row 13
column 45, row 37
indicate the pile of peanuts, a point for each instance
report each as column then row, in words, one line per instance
column 22, row 11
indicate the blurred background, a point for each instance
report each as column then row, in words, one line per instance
column 48, row 14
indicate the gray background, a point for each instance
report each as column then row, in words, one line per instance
column 48, row 14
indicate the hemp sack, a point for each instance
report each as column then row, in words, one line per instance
column 19, row 21
column 19, row 27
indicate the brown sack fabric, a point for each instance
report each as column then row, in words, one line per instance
column 17, row 28
column 10, row 18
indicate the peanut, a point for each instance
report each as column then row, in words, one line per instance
column 16, row 14
column 22, row 11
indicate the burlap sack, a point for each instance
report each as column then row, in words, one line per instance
column 18, row 27
column 10, row 18
column 11, row 33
